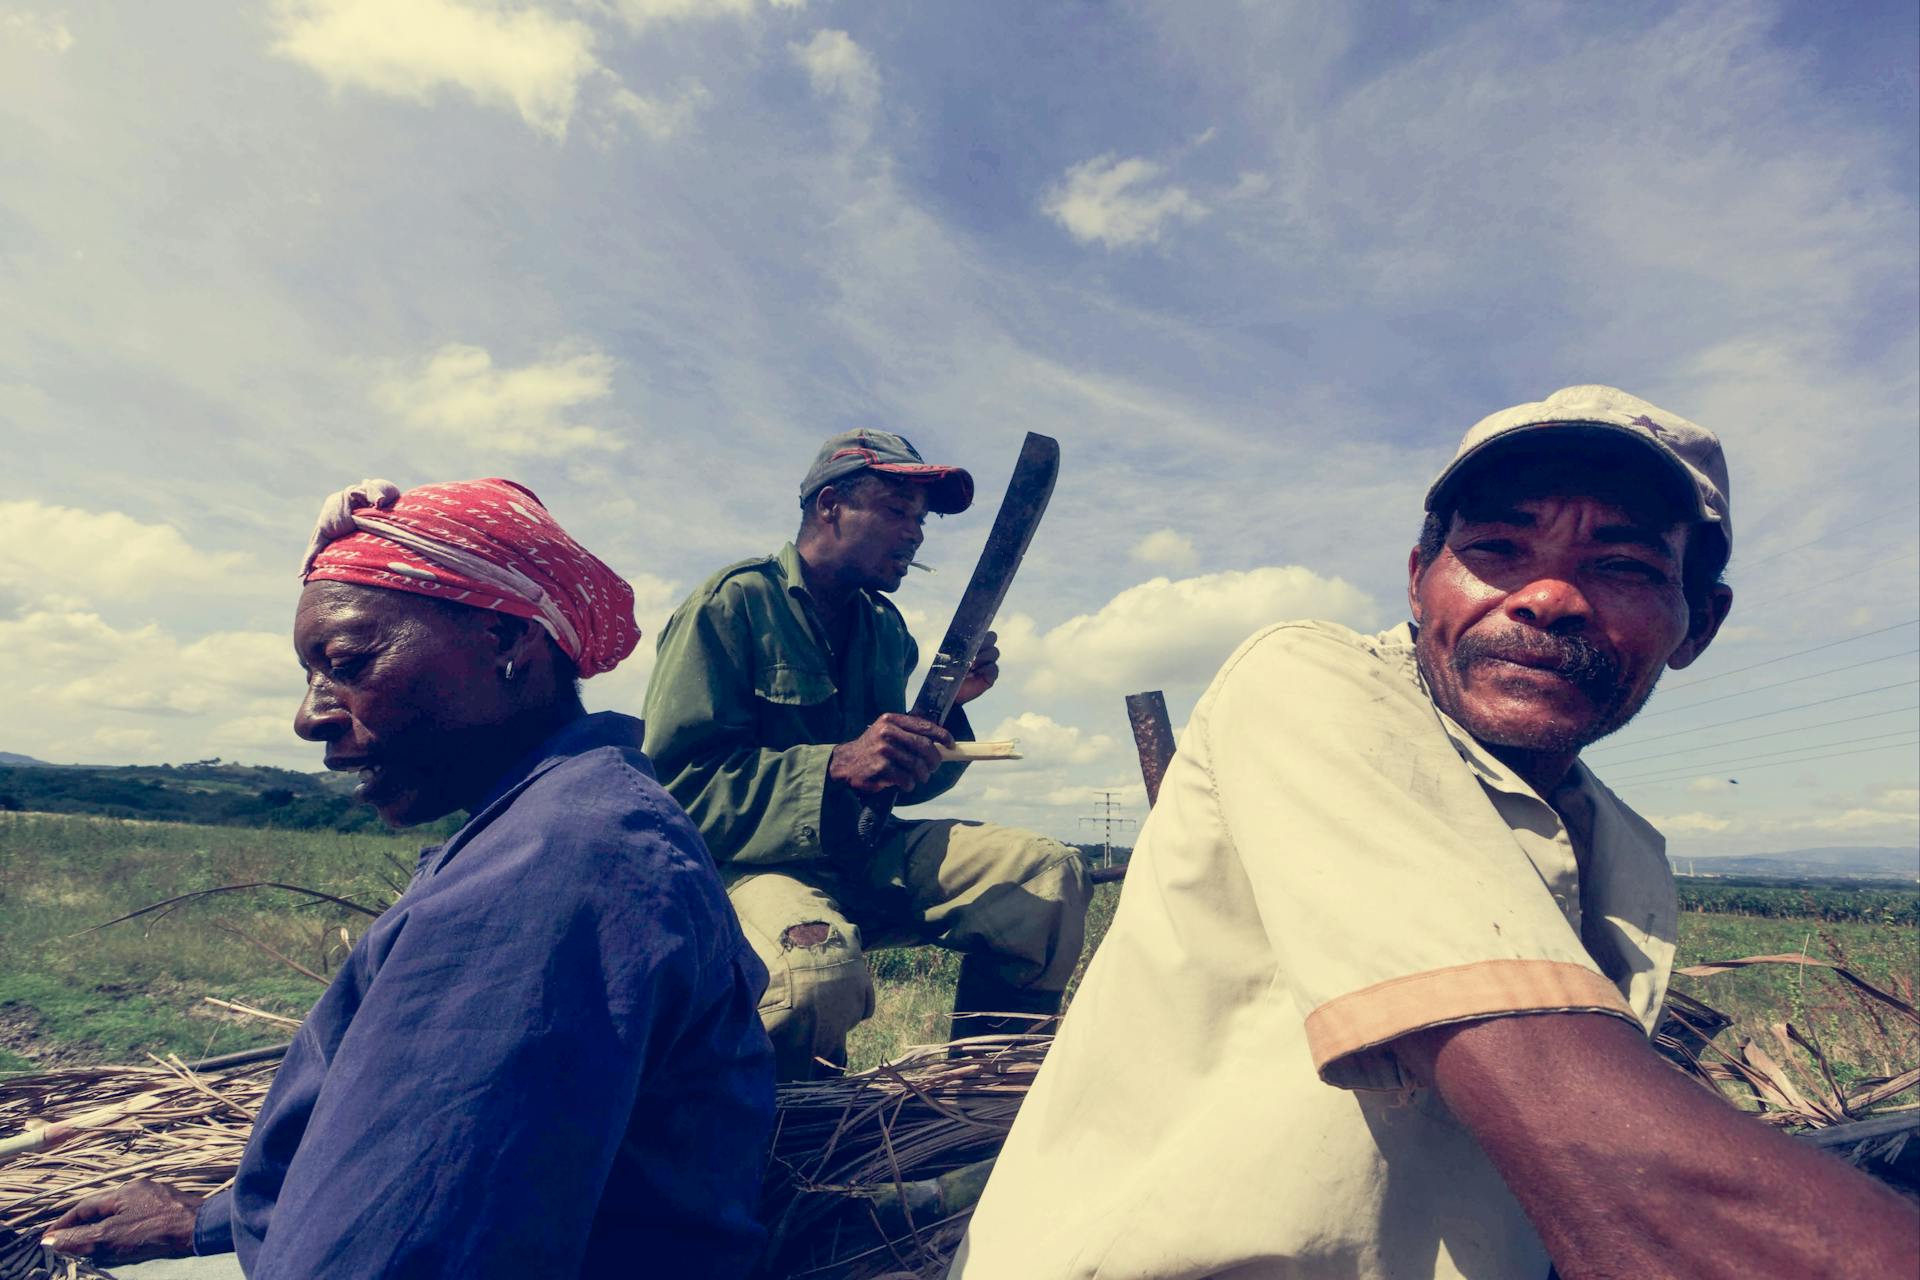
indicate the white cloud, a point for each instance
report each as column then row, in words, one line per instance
column 76, row 686
column 268, row 733
column 148, row 670
column 644, row 13
column 1901, row 796
column 459, row 393
column 1368, row 227
column 660, row 118
column 1853, row 820
column 36, row 31
column 640, row 13
column 1703, row 833
column 1165, row 632
column 63, row 553
column 1166, row 549
column 1690, row 823
column 1050, row 744
column 1064, row 773
column 1095, row 798
column 1117, row 202
column 1249, row 185
column 837, row 67
column 125, row 744
column 625, row 687
column 524, row 58
column 654, row 599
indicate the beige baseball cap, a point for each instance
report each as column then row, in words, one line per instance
column 1596, row 416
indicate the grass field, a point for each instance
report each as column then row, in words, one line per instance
column 1857, row 1035
column 69, row 993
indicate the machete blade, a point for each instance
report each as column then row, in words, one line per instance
column 1020, row 511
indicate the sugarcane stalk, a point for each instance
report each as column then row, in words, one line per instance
column 60, row 1131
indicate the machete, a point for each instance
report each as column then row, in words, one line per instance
column 1153, row 737
column 1020, row 512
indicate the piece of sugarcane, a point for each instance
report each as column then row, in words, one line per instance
column 52, row 1135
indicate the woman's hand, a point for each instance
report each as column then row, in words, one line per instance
column 133, row 1223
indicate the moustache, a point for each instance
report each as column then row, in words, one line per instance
column 1574, row 657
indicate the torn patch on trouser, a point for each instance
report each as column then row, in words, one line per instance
column 818, row 985
column 814, row 933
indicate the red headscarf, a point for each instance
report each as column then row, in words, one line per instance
column 485, row 543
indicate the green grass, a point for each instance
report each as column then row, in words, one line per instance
column 70, row 993
column 1858, row 1035
column 913, row 990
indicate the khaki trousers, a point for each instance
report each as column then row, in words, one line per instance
column 1013, row 902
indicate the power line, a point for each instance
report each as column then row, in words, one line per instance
column 1878, row 564
column 1835, row 755
column 1771, row 733
column 1688, row 684
column 1762, row 688
column 1831, row 533
column 1761, row 715
column 1764, row 755
column 1108, row 820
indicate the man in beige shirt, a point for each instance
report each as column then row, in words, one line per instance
column 1300, row 1049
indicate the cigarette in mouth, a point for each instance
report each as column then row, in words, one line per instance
column 915, row 564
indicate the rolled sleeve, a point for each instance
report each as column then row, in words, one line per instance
column 1395, row 896
column 213, row 1224
column 1347, row 1027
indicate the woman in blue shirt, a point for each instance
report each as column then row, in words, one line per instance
column 545, row 1057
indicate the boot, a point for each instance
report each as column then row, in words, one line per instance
column 985, row 1004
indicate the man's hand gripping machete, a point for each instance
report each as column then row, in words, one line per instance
column 1020, row 512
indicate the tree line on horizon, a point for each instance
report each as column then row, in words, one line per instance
column 206, row 792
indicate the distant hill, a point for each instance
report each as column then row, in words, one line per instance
column 1857, row 862
column 15, row 758
column 210, row 792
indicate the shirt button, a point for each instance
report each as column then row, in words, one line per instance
column 806, row 835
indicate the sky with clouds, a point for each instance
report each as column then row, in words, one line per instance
column 1257, row 266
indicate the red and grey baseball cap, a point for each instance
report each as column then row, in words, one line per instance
column 1602, row 421
column 949, row 489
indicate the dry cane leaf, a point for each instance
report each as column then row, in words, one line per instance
column 1712, row 967
column 1773, row 1082
column 1834, row 1103
column 1869, row 1092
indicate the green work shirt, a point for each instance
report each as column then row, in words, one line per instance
column 748, row 700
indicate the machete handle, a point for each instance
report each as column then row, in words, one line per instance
column 873, row 819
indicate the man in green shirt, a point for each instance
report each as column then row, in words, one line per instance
column 778, row 705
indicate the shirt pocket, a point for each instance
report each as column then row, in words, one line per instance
column 791, row 686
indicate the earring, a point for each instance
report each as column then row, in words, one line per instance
column 508, row 674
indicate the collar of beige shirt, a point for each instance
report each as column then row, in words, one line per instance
column 1612, row 861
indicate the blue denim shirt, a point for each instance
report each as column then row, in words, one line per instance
column 544, row 1059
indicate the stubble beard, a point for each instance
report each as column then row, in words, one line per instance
column 1592, row 672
